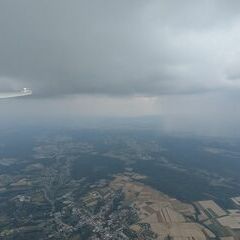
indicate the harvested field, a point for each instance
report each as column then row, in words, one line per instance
column 211, row 209
column 166, row 216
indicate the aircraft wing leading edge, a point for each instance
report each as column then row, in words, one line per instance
column 24, row 92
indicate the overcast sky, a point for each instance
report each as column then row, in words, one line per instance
column 176, row 59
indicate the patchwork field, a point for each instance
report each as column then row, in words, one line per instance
column 211, row 209
column 232, row 220
column 167, row 217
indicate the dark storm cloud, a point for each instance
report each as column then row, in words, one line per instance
column 118, row 47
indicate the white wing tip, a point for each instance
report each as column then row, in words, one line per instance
column 27, row 91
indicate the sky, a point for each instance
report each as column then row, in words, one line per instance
column 179, row 60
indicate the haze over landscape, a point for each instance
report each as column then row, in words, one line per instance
column 179, row 61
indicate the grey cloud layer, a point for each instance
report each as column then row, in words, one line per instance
column 119, row 47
